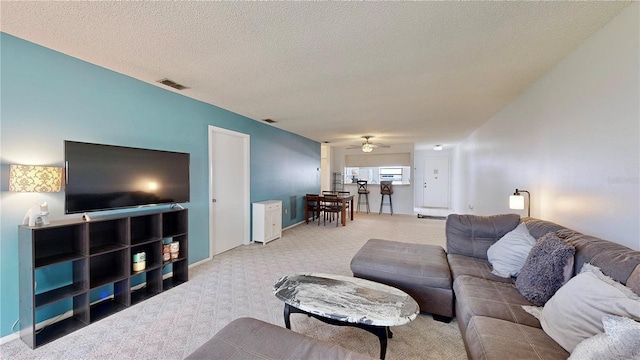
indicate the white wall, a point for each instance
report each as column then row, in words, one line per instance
column 572, row 139
column 402, row 194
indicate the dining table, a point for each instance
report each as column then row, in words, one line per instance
column 342, row 198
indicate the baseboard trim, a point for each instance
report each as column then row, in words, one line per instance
column 9, row 338
column 293, row 225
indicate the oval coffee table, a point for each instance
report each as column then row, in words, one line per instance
column 346, row 301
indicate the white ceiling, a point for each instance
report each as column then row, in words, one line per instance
column 406, row 72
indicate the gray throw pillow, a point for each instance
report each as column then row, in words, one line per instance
column 548, row 267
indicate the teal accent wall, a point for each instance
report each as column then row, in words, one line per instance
column 47, row 97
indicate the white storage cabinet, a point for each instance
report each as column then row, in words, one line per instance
column 267, row 221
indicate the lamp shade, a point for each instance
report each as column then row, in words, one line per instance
column 516, row 202
column 34, row 178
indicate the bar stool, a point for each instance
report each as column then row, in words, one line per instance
column 362, row 190
column 386, row 189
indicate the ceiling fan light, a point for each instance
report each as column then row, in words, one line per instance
column 367, row 147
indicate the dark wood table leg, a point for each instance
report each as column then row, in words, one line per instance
column 381, row 332
column 344, row 212
column 287, row 312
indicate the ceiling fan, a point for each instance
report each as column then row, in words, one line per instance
column 368, row 146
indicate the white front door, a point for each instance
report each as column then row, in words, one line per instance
column 229, row 196
column 435, row 187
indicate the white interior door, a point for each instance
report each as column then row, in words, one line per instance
column 229, row 216
column 435, row 187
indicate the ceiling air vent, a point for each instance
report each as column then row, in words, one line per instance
column 270, row 121
column 172, row 84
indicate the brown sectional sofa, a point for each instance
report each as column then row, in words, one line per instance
column 459, row 281
column 489, row 308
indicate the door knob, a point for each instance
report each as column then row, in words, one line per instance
column 213, row 200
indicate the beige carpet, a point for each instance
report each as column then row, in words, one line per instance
column 239, row 283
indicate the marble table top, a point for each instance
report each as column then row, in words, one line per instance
column 347, row 299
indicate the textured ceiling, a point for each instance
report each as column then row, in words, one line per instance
column 406, row 72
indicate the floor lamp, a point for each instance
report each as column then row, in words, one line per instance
column 516, row 201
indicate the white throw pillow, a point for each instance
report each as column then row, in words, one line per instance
column 575, row 312
column 508, row 255
column 620, row 340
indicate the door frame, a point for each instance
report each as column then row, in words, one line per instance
column 246, row 182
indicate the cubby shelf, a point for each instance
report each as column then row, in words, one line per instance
column 59, row 329
column 97, row 254
column 145, row 241
column 147, row 269
column 105, row 248
column 58, row 294
column 171, row 283
column 57, row 259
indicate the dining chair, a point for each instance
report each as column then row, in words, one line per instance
column 345, row 193
column 313, row 206
column 331, row 205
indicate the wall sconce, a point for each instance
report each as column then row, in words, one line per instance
column 516, row 201
column 36, row 179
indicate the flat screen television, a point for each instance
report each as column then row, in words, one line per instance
column 105, row 177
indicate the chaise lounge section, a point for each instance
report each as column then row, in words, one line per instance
column 419, row 270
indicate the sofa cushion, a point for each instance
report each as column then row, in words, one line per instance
column 419, row 264
column 467, row 265
column 538, row 228
column 481, row 297
column 508, row 255
column 548, row 267
column 420, row 270
column 615, row 260
column 489, row 338
column 633, row 282
column 575, row 312
column 247, row 338
column 471, row 235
